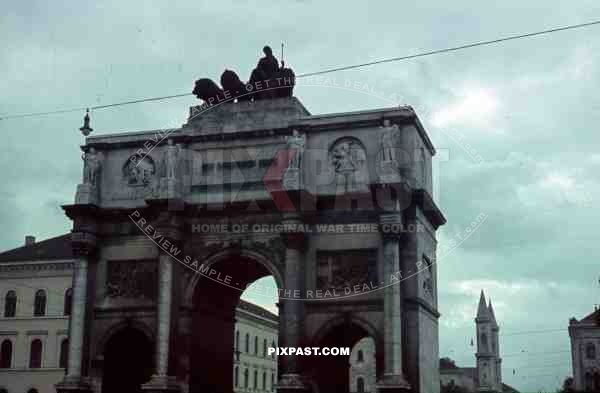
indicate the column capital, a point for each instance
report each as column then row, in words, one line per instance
column 83, row 244
column 171, row 233
column 294, row 240
column 169, row 225
column 391, row 224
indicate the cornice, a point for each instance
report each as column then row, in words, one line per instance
column 36, row 266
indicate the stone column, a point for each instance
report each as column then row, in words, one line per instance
column 77, row 322
column 291, row 379
column 161, row 381
column 74, row 382
column 165, row 293
column 393, row 379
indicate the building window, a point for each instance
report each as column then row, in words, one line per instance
column 10, row 304
column 265, row 347
column 236, row 376
column 6, row 354
column 39, row 308
column 264, row 384
column 237, row 340
column 247, row 343
column 246, row 378
column 68, row 299
column 64, row 353
column 272, row 381
column 484, row 342
column 256, row 345
column 360, row 385
column 255, row 381
column 35, row 354
column 590, row 351
column 360, row 356
column 273, row 346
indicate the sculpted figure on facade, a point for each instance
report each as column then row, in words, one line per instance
column 295, row 146
column 131, row 279
column 427, row 281
column 389, row 141
column 341, row 158
column 170, row 159
column 91, row 167
column 348, row 159
column 139, row 172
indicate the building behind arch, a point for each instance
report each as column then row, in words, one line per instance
column 486, row 376
column 585, row 352
column 48, row 266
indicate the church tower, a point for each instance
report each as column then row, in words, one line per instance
column 488, row 351
column 496, row 348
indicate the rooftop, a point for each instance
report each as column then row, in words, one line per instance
column 55, row 248
column 592, row 318
column 257, row 310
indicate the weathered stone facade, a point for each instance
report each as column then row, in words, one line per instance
column 219, row 207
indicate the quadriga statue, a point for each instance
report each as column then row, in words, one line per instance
column 268, row 80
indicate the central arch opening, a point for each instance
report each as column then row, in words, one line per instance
column 128, row 361
column 347, row 373
column 225, row 356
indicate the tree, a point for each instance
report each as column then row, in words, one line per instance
column 447, row 363
column 452, row 388
column 567, row 386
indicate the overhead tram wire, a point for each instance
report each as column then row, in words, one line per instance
column 329, row 70
column 455, row 48
column 534, row 332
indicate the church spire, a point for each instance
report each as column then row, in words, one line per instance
column 483, row 312
column 492, row 315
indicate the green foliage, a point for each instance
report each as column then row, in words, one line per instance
column 452, row 388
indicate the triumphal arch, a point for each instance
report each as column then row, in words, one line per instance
column 170, row 226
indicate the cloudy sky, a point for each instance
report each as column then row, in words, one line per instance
column 529, row 108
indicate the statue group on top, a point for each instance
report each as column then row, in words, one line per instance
column 268, row 80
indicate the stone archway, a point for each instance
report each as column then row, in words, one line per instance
column 128, row 361
column 332, row 373
column 213, row 319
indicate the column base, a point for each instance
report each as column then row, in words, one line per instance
column 162, row 384
column 73, row 385
column 292, row 383
column 393, row 383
